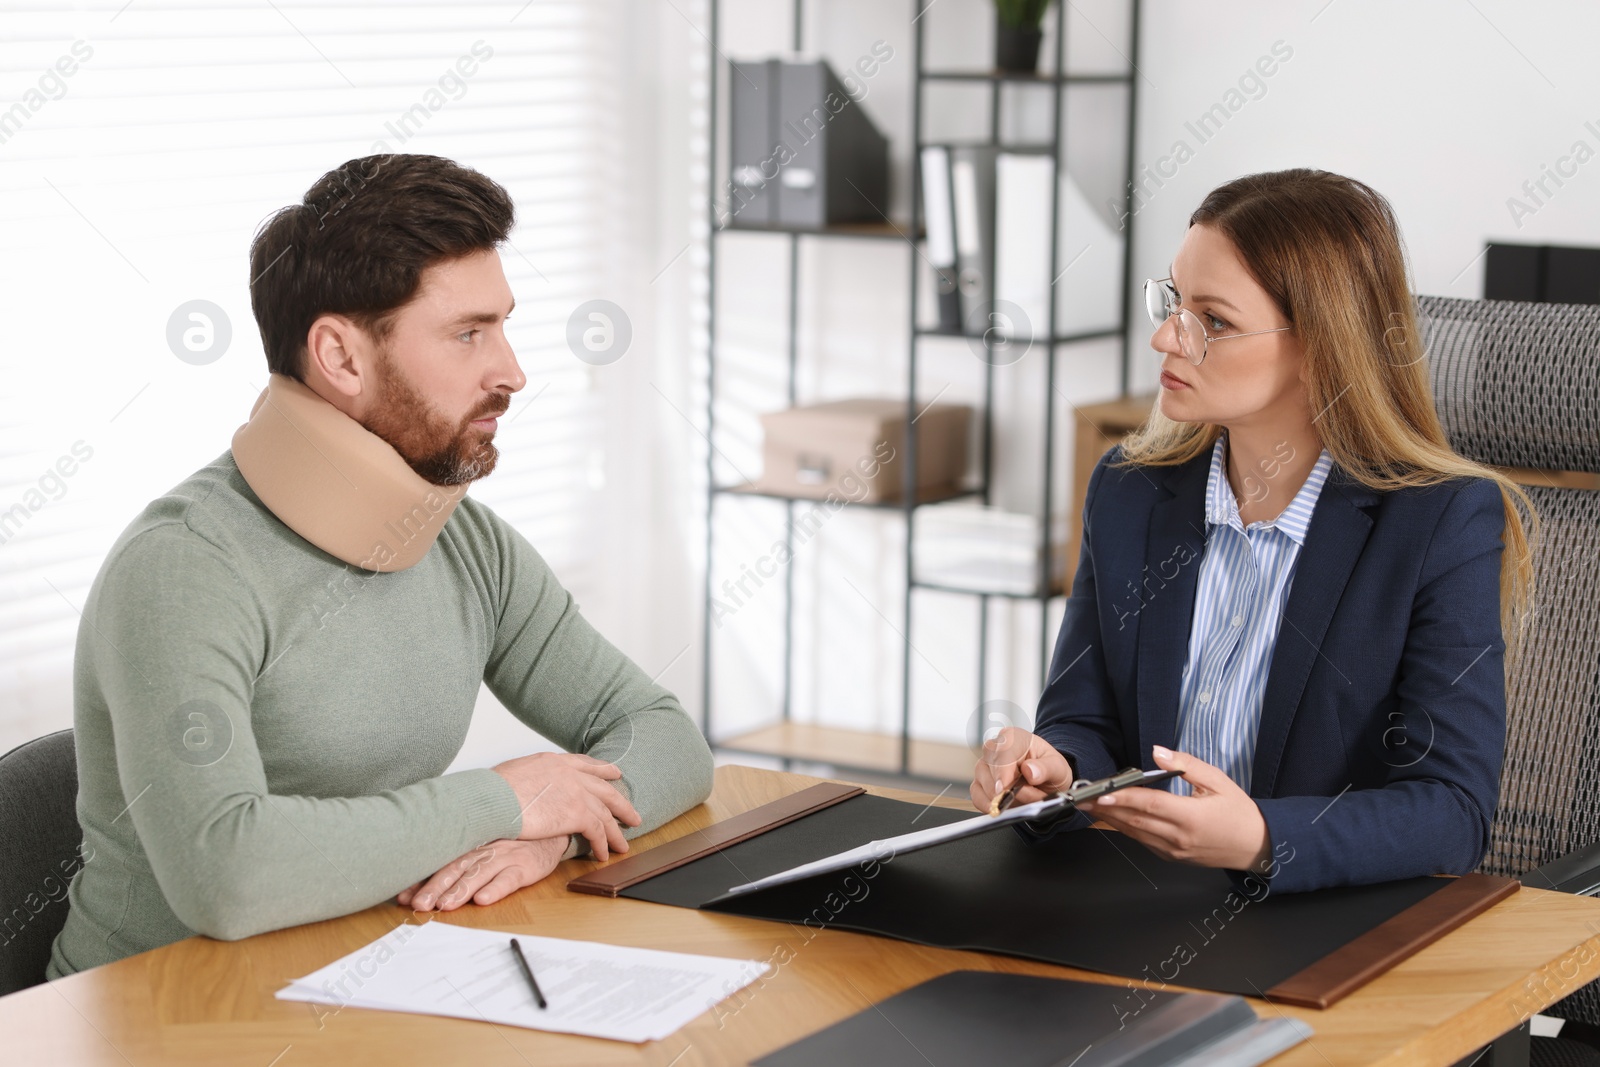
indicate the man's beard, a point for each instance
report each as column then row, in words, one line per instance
column 440, row 452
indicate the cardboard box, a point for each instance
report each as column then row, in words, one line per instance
column 855, row 449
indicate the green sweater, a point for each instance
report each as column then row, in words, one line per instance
column 263, row 730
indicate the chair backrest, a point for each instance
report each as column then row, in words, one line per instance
column 1518, row 384
column 39, row 839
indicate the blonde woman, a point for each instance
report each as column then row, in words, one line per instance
column 1290, row 588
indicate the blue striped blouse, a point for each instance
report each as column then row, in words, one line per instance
column 1244, row 582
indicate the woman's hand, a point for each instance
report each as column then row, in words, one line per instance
column 485, row 874
column 1219, row 826
column 1015, row 751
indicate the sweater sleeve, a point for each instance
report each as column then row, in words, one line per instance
column 175, row 645
column 557, row 674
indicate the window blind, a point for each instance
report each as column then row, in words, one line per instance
column 143, row 143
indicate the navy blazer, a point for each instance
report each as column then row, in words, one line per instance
column 1383, row 721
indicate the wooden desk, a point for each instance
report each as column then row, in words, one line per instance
column 211, row 1002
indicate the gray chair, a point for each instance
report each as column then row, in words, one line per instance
column 1518, row 385
column 39, row 838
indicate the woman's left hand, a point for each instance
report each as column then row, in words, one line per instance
column 485, row 874
column 1219, row 826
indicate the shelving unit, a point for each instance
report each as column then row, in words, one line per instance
column 927, row 495
column 899, row 753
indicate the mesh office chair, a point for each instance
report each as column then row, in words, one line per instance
column 1518, row 385
column 39, row 839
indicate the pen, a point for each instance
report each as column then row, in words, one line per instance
column 1003, row 801
column 522, row 961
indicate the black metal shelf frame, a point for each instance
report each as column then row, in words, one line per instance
column 1045, row 589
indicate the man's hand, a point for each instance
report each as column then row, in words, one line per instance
column 563, row 793
column 1219, row 826
column 485, row 874
column 1015, row 751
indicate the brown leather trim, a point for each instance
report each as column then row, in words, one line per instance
column 611, row 879
column 1348, row 968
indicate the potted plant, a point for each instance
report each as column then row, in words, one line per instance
column 1017, row 34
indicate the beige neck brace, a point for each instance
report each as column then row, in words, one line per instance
column 337, row 484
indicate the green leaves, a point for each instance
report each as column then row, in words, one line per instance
column 1021, row 14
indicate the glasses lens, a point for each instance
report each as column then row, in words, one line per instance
column 1191, row 337
column 1155, row 303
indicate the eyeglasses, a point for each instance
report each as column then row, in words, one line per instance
column 1161, row 303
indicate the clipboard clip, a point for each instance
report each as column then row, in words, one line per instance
column 1086, row 789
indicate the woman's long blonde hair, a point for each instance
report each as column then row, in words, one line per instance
column 1327, row 250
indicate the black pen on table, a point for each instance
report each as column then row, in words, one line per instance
column 522, row 961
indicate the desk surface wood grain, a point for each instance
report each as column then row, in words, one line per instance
column 202, row 1001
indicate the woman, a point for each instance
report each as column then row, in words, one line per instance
column 1290, row 588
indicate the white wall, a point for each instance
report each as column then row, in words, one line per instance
column 1445, row 107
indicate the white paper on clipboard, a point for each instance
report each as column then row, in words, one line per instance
column 881, row 851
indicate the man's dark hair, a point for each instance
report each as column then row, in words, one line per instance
column 358, row 242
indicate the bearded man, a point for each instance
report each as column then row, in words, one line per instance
column 280, row 656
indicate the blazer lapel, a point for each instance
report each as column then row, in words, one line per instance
column 1174, row 545
column 1334, row 541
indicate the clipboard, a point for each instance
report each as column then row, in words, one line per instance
column 1040, row 815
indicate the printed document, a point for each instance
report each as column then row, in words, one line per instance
column 593, row 989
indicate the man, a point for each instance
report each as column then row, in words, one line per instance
column 280, row 657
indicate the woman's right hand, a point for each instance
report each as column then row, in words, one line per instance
column 1015, row 751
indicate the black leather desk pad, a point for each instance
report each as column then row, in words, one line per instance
column 1085, row 898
